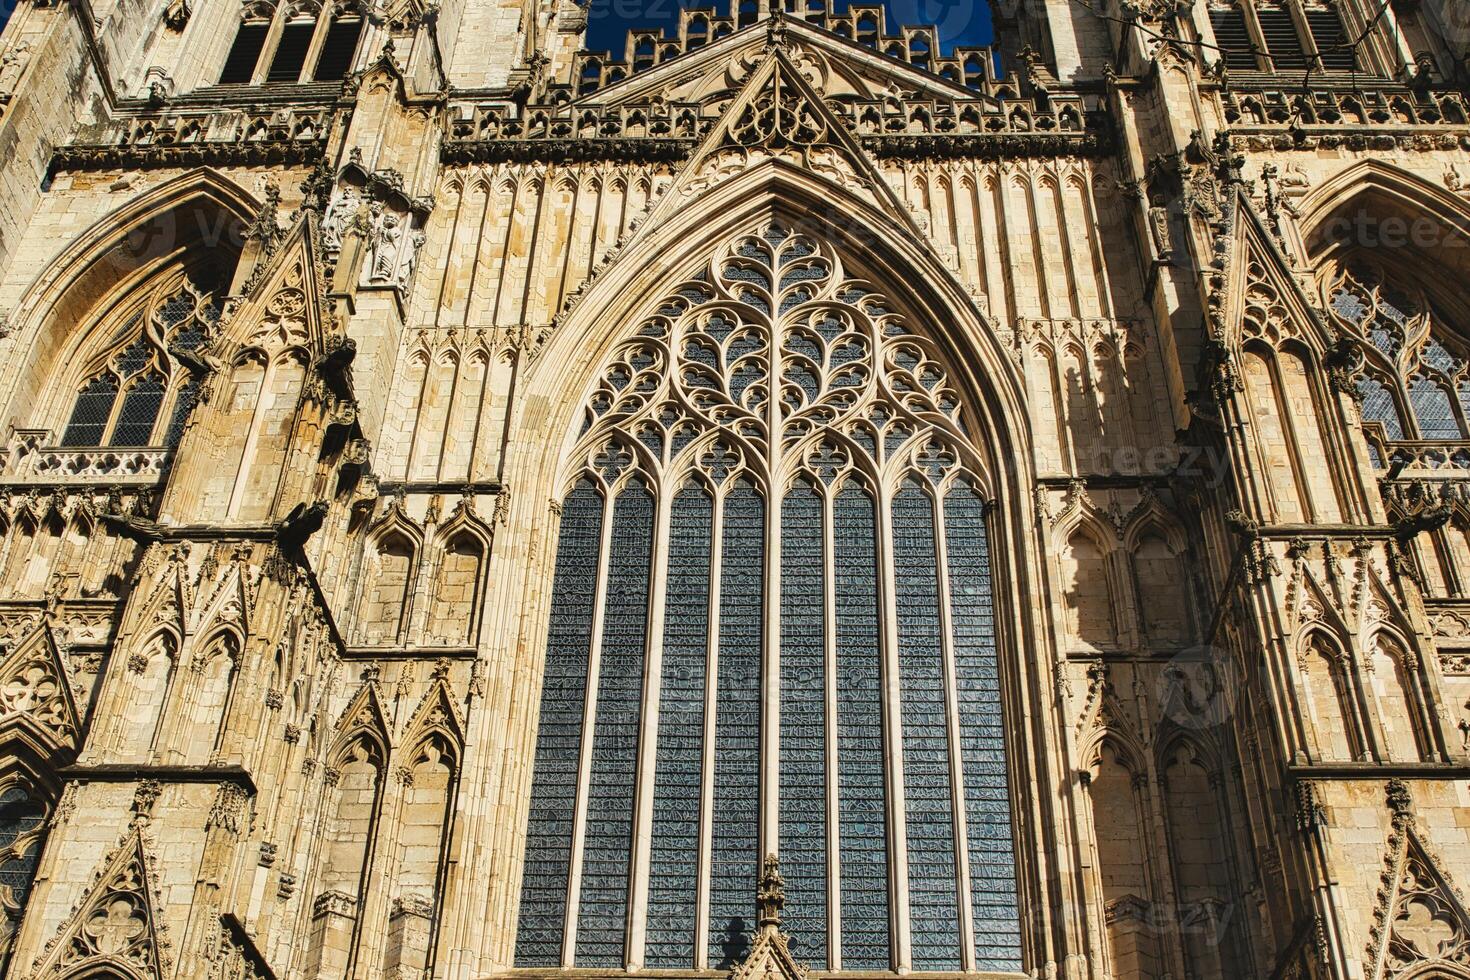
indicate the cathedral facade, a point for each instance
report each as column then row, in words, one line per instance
column 787, row 498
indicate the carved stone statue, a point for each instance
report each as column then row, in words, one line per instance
column 386, row 241
column 405, row 271
column 344, row 205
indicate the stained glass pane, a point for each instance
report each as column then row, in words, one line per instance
column 933, row 901
column 861, row 817
column 1378, row 406
column 982, row 736
column 603, row 909
column 734, row 860
column 803, row 726
column 558, row 735
column 135, row 358
column 89, row 416
column 1431, row 405
column 139, row 412
column 673, row 872
column 21, row 816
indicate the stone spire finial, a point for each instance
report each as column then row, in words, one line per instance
column 771, row 897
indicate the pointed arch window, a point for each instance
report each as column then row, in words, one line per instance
column 23, row 820
column 140, row 389
column 1416, row 380
column 774, row 512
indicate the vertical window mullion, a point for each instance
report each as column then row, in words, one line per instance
column 314, row 49
column 897, row 824
column 679, row 718
column 956, row 760
column 832, row 800
column 268, row 48
column 584, row 757
column 546, row 885
column 603, row 907
column 703, row 898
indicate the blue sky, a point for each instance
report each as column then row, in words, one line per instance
column 959, row 21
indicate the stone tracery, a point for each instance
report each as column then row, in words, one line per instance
column 781, row 403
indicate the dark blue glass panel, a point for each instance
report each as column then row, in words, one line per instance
column 1431, row 406
column 862, row 821
column 89, row 416
column 558, row 735
column 602, row 912
column 1378, row 406
column 803, row 727
column 734, row 861
column 21, row 816
column 933, row 902
column 982, row 736
column 139, row 412
column 679, row 772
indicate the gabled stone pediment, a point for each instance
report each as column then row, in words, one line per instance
column 115, row 924
column 37, row 704
column 283, row 306
column 838, row 68
column 778, row 118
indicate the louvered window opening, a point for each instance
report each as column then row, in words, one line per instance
column 288, row 58
column 244, row 54
column 774, row 506
column 1332, row 42
column 1233, row 38
column 138, row 392
column 1283, row 42
column 338, row 49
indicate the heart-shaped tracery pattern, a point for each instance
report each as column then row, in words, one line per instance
column 774, row 335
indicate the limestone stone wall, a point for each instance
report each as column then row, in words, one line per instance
column 269, row 678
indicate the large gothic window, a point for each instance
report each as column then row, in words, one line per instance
column 1416, row 381
column 22, row 831
column 774, row 514
column 140, row 389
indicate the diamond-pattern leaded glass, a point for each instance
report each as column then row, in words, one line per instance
column 603, row 910
column 22, row 825
column 139, row 412
column 1416, row 373
column 140, row 362
column 803, row 725
column 558, row 734
column 90, row 413
column 770, row 393
column 679, row 770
